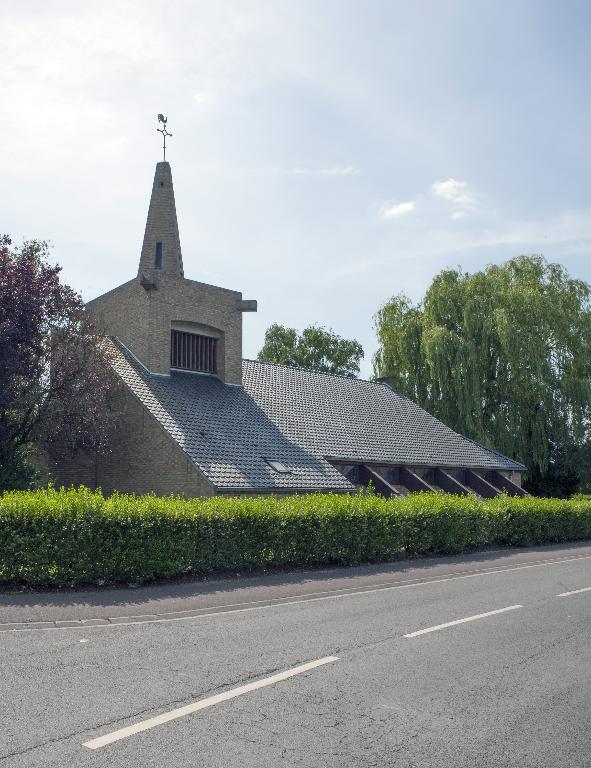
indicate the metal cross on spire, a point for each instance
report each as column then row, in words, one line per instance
column 164, row 132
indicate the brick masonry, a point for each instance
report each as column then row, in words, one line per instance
column 143, row 311
column 162, row 226
column 143, row 458
column 143, row 318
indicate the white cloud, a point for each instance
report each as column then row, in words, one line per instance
column 459, row 193
column 452, row 190
column 391, row 209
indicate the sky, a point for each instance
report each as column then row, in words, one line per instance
column 326, row 154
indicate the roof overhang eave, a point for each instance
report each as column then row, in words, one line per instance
column 279, row 490
column 513, row 466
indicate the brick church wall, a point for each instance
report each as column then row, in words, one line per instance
column 143, row 459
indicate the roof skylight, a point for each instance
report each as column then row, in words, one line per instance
column 278, row 466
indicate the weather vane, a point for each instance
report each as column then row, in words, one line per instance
column 163, row 131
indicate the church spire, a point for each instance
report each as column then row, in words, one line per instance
column 161, row 250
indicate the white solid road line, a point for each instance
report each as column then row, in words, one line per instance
column 574, row 592
column 174, row 714
column 462, row 621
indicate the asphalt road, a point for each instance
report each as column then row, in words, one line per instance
column 327, row 668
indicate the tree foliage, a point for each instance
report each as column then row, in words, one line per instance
column 53, row 378
column 316, row 349
column 503, row 356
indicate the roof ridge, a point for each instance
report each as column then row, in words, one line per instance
column 311, row 370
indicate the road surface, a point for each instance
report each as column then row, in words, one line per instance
column 480, row 660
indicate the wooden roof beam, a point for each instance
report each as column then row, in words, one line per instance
column 480, row 485
column 413, row 482
column 449, row 483
column 367, row 475
column 505, row 484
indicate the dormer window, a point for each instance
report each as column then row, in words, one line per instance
column 193, row 352
column 158, row 259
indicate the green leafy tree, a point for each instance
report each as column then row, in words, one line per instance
column 503, row 356
column 316, row 348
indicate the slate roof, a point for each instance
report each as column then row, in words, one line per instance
column 298, row 417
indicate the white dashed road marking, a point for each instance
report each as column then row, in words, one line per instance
column 574, row 592
column 123, row 733
column 462, row 621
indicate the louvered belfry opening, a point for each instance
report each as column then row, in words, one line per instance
column 192, row 352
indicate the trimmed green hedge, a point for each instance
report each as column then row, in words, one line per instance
column 70, row 537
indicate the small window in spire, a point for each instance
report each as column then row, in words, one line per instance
column 158, row 260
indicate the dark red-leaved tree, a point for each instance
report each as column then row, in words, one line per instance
column 54, row 375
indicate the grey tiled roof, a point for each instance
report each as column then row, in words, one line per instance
column 297, row 417
column 225, row 432
column 340, row 417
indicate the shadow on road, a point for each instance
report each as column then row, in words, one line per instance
column 225, row 588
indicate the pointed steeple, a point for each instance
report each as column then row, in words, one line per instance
column 161, row 251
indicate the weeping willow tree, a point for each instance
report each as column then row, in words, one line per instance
column 503, row 356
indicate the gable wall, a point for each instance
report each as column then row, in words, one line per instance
column 142, row 319
column 144, row 459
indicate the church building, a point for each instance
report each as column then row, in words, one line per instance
column 195, row 419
